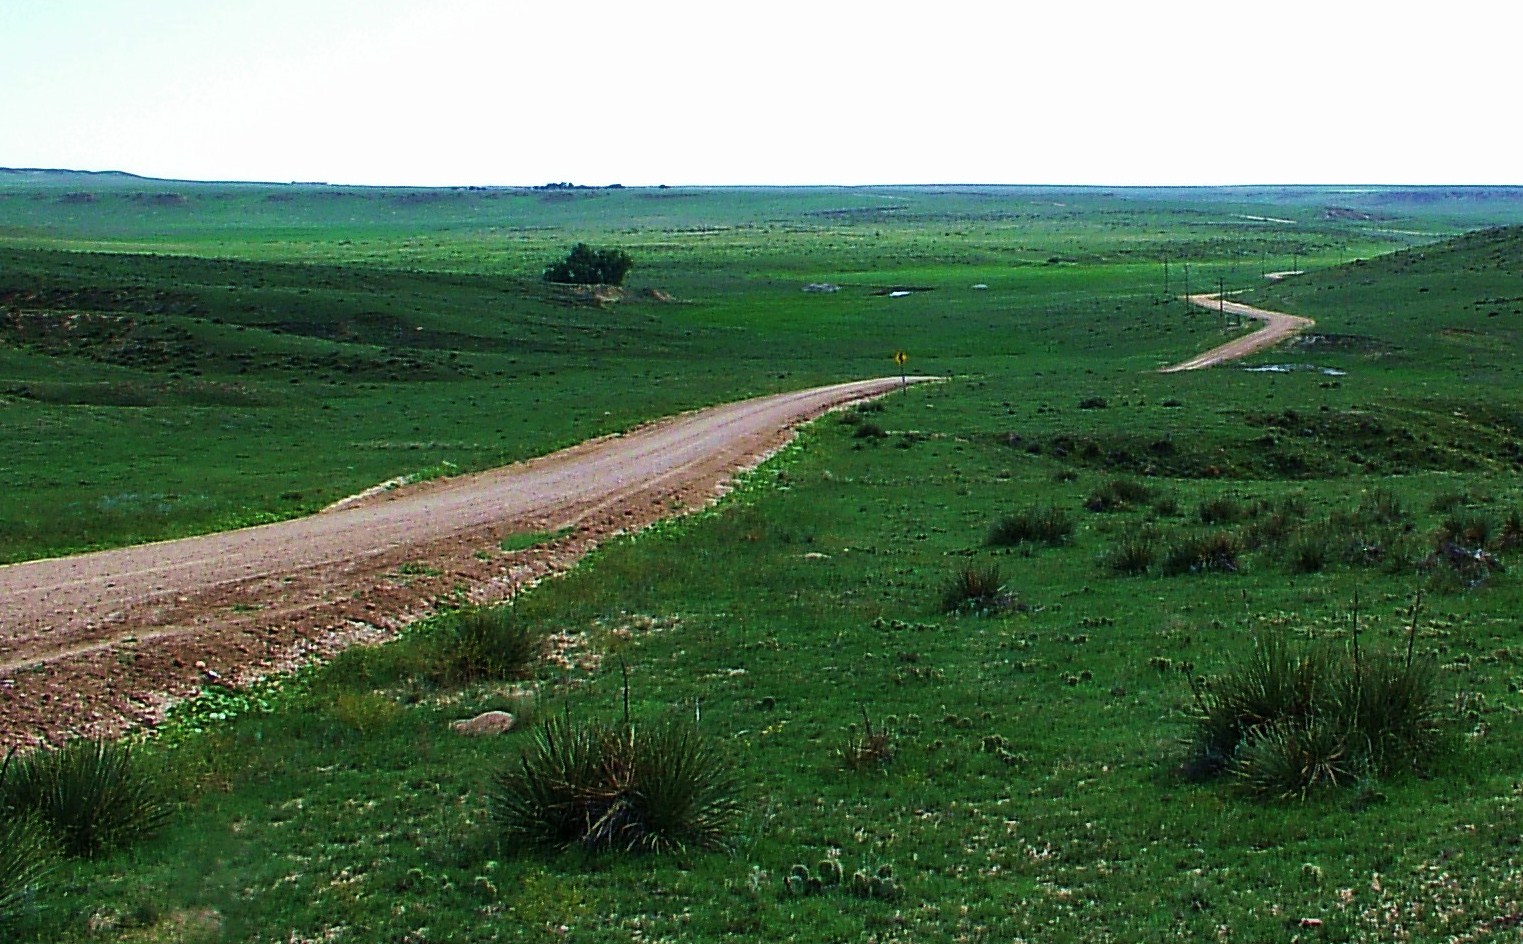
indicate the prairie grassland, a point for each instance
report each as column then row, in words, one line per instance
column 1030, row 776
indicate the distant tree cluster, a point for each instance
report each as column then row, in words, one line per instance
column 585, row 265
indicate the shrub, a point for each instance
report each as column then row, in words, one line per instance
column 93, row 796
column 869, row 430
column 652, row 788
column 487, row 643
column 1041, row 524
column 585, row 265
column 27, row 855
column 974, row 589
column 1511, row 536
column 1272, row 523
column 1201, row 554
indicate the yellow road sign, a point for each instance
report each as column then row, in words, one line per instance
column 900, row 357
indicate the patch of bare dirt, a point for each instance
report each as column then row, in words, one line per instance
column 99, row 643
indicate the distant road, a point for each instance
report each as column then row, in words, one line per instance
column 100, row 642
column 1277, row 327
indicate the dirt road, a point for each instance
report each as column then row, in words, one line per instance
column 1277, row 327
column 100, row 642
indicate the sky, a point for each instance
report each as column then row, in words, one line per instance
column 504, row 92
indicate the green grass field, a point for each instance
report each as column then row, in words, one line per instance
column 180, row 357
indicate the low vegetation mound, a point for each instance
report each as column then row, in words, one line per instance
column 1288, row 723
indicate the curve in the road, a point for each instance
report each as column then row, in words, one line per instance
column 1277, row 327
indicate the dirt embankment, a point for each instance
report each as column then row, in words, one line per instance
column 1277, row 327
column 98, row 643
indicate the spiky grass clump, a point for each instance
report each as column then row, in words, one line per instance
column 1215, row 553
column 1135, row 554
column 1040, row 524
column 649, row 788
column 27, row 853
column 1291, row 760
column 93, row 796
column 487, row 643
column 1223, row 509
column 1118, row 494
column 872, row 747
column 974, row 589
column 1288, row 723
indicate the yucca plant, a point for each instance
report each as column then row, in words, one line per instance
column 27, row 853
column 1391, row 707
column 640, row 788
column 1274, row 685
column 1286, row 723
column 1291, row 759
column 93, row 795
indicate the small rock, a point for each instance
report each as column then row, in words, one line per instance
column 488, row 722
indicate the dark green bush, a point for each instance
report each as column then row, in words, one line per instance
column 1271, row 524
column 486, row 643
column 92, row 795
column 1381, row 506
column 1472, row 530
column 585, row 265
column 1041, row 524
column 869, row 430
column 639, row 788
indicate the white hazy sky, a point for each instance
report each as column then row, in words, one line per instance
column 775, row 92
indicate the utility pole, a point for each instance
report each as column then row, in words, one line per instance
column 1221, row 300
column 1166, row 278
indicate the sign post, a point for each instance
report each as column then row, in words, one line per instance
column 899, row 358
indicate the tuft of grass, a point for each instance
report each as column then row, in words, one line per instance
column 1471, row 529
column 1134, row 554
column 27, row 854
column 659, row 787
column 92, row 795
column 974, row 589
column 869, row 748
column 1216, row 552
column 1310, row 552
column 1118, row 494
column 486, row 643
column 1040, row 524
column 1221, row 509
